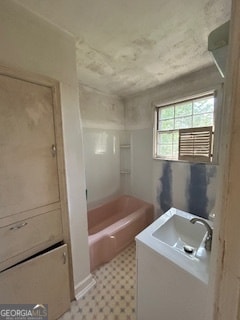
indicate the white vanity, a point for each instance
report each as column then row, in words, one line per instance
column 172, row 268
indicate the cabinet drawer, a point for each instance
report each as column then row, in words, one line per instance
column 41, row 280
column 24, row 238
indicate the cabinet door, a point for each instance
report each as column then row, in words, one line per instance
column 25, row 238
column 28, row 165
column 41, row 280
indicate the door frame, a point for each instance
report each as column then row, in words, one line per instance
column 224, row 290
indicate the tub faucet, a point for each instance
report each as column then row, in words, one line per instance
column 208, row 241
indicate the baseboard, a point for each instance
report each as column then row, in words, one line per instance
column 82, row 288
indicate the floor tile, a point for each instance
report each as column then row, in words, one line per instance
column 113, row 296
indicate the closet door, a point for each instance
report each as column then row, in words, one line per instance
column 28, row 164
column 40, row 280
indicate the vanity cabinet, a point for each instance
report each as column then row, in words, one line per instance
column 33, row 210
column 172, row 282
column 166, row 292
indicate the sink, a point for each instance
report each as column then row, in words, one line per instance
column 173, row 268
column 180, row 234
column 174, row 238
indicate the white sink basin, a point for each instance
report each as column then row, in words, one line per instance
column 174, row 278
column 173, row 233
column 178, row 232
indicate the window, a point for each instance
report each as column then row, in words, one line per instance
column 184, row 130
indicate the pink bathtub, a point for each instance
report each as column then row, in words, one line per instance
column 113, row 226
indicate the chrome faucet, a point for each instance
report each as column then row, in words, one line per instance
column 208, row 241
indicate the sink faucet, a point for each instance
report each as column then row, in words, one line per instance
column 208, row 241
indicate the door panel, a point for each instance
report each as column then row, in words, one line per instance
column 41, row 280
column 28, row 166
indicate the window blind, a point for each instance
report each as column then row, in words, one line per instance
column 195, row 144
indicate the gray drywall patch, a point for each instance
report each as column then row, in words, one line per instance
column 165, row 197
column 197, row 190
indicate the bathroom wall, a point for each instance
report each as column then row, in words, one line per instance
column 187, row 186
column 103, row 124
column 31, row 44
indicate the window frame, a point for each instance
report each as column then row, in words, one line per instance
column 217, row 93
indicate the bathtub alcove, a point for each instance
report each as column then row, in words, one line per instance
column 113, row 226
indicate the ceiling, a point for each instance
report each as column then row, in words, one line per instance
column 127, row 46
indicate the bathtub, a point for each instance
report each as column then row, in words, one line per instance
column 113, row 226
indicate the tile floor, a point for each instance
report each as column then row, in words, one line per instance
column 113, row 296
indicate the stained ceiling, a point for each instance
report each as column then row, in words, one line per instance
column 126, row 46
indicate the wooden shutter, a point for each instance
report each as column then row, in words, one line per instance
column 195, row 144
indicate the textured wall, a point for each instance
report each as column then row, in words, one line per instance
column 187, row 186
column 190, row 187
column 99, row 110
column 165, row 183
